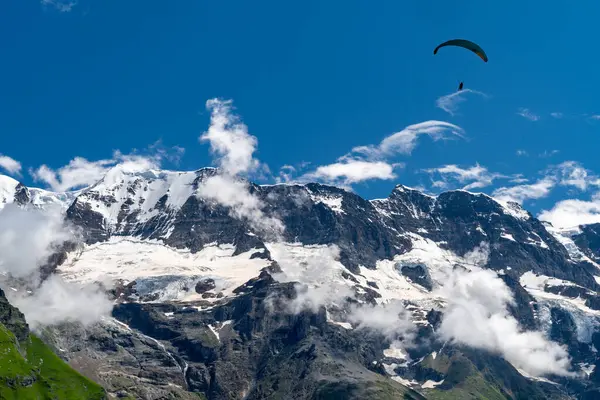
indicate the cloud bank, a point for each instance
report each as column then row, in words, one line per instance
column 477, row 316
column 27, row 238
column 573, row 212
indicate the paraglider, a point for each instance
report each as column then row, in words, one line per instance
column 467, row 44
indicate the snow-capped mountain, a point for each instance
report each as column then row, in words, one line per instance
column 202, row 297
column 11, row 191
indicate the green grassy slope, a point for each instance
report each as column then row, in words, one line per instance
column 31, row 371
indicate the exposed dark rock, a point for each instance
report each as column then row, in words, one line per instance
column 417, row 274
column 205, row 285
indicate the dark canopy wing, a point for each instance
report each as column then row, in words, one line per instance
column 467, row 44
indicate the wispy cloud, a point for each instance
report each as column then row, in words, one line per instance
column 405, row 141
column 373, row 161
column 520, row 193
column 60, row 5
column 522, row 153
column 557, row 115
column 573, row 212
column 229, row 139
column 451, row 102
column 234, row 150
column 572, row 173
column 10, row 165
column 475, row 176
column 526, row 113
column 548, row 153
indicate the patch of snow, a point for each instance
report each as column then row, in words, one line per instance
column 333, row 202
column 215, row 332
column 7, row 190
column 313, row 265
column 529, row 280
column 405, row 382
column 507, row 236
column 535, row 378
column 393, row 352
column 537, row 241
column 513, row 209
column 585, row 318
column 564, row 237
column 143, row 190
column 431, row 384
column 161, row 269
column 587, row 369
column 344, row 325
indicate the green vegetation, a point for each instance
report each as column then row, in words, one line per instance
column 463, row 380
column 377, row 390
column 33, row 371
column 473, row 387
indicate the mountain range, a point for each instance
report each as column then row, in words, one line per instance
column 224, row 289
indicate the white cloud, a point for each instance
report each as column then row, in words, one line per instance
column 372, row 161
column 319, row 285
column 520, row 193
column 286, row 174
column 573, row 212
column 556, row 115
column 60, row 5
column 526, row 113
column 477, row 316
column 234, row 148
column 549, row 153
column 81, row 172
column 10, row 165
column 57, row 301
column 229, row 139
column 390, row 319
column 522, row 153
column 234, row 194
column 352, row 171
column 405, row 141
column 27, row 239
column 572, row 173
column 477, row 176
column 316, row 285
column 451, row 102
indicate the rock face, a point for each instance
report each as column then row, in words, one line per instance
column 246, row 343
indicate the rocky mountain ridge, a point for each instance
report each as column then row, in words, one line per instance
column 189, row 323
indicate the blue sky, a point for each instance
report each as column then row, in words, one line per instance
column 312, row 80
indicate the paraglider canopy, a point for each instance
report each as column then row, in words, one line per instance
column 467, row 44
